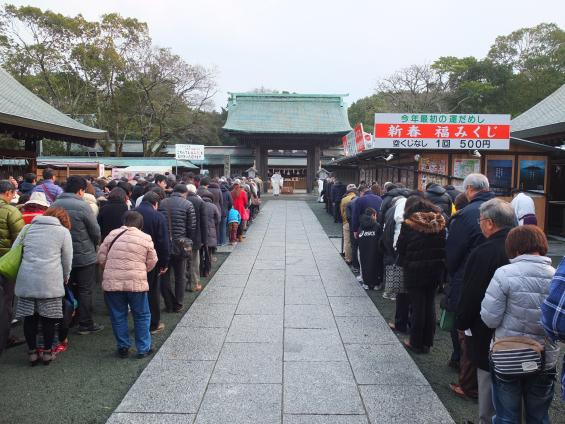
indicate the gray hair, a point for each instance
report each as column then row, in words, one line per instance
column 500, row 212
column 478, row 182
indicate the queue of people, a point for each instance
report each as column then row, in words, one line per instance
column 485, row 260
column 143, row 239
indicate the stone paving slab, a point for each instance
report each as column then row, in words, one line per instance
column 283, row 333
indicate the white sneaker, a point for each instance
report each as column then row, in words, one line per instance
column 359, row 278
column 365, row 286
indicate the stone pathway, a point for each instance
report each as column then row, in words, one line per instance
column 283, row 333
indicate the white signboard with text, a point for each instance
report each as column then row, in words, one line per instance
column 189, row 152
column 443, row 131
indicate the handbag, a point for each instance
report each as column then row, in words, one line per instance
column 11, row 261
column 446, row 320
column 245, row 216
column 181, row 247
column 516, row 356
column 394, row 279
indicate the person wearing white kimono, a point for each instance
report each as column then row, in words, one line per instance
column 524, row 209
column 320, row 189
column 276, row 183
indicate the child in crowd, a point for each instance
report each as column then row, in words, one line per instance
column 234, row 219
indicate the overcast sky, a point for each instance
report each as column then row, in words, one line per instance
column 314, row 46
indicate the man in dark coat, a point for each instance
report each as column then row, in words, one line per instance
column 370, row 199
column 111, row 212
column 85, row 233
column 211, row 219
column 218, row 200
column 439, row 197
column 181, row 217
column 452, row 192
column 200, row 236
column 226, row 206
column 463, row 236
column 338, row 190
column 369, row 236
column 497, row 219
column 155, row 224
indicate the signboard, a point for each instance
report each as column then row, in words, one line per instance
column 464, row 167
column 359, row 139
column 189, row 152
column 443, row 131
column 349, row 147
column 432, row 170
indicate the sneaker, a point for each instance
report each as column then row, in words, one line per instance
column 146, row 354
column 365, row 286
column 94, row 328
column 123, row 352
column 159, row 328
column 355, row 270
column 61, row 347
column 359, row 278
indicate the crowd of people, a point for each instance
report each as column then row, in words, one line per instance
column 143, row 239
column 485, row 260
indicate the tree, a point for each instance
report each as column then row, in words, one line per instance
column 416, row 88
column 105, row 73
column 364, row 109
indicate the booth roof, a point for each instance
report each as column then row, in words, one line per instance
column 23, row 114
column 58, row 161
column 287, row 114
column 546, row 117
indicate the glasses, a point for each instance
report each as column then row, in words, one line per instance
column 482, row 219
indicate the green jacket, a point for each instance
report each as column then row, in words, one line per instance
column 11, row 223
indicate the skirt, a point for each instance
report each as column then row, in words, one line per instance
column 48, row 308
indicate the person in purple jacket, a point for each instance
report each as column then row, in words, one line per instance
column 48, row 186
column 370, row 199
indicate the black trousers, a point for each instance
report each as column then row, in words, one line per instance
column 402, row 312
column 177, row 268
column 81, row 283
column 423, row 321
column 354, row 251
column 6, row 310
column 47, row 327
column 154, row 298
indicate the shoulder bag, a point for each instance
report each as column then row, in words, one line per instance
column 181, row 247
column 11, row 261
column 517, row 356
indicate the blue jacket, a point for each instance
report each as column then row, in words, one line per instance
column 553, row 313
column 463, row 236
column 26, row 188
column 368, row 200
column 53, row 190
column 155, row 224
column 234, row 216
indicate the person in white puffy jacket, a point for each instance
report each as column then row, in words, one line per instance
column 511, row 306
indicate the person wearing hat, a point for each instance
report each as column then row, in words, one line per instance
column 351, row 193
column 35, row 206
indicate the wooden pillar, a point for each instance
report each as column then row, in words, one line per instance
column 261, row 164
column 310, row 170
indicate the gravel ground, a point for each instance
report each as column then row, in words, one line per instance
column 86, row 383
column 434, row 365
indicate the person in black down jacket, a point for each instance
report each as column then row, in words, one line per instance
column 112, row 211
column 181, row 218
column 200, row 234
column 452, row 192
column 497, row 219
column 155, row 224
column 211, row 221
column 421, row 251
column 226, row 206
column 218, row 200
column 439, row 197
column 464, row 235
column 338, row 190
column 395, row 190
column 369, row 236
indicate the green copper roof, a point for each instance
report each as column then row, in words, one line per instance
column 21, row 109
column 287, row 114
column 546, row 117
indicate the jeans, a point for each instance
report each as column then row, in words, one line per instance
column 81, row 282
column 118, row 303
column 154, row 297
column 177, row 267
column 535, row 391
column 223, row 231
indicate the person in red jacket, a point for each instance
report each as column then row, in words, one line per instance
column 239, row 203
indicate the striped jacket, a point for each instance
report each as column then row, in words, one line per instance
column 553, row 313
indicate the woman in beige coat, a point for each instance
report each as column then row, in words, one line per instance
column 127, row 255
